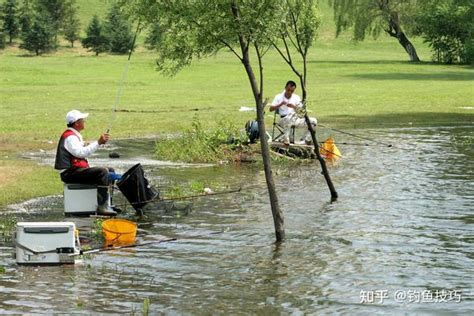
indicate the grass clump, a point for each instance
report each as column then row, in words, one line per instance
column 199, row 145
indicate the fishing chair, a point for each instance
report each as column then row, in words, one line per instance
column 281, row 129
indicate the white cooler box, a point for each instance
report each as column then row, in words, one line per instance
column 80, row 199
column 46, row 243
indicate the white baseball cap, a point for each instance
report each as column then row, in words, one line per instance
column 75, row 115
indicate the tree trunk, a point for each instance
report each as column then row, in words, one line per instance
column 408, row 46
column 321, row 160
column 278, row 218
column 395, row 30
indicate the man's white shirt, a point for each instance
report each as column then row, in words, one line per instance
column 285, row 110
column 75, row 145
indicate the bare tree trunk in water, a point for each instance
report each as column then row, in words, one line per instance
column 278, row 218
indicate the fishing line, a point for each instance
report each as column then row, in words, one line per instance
column 122, row 80
column 357, row 136
column 181, row 197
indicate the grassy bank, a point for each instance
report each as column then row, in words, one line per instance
column 354, row 85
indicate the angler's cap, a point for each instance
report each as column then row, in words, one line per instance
column 75, row 115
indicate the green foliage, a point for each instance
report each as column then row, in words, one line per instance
column 154, row 37
column 371, row 17
column 7, row 226
column 118, row 31
column 57, row 10
column 196, row 29
column 448, row 27
column 301, row 23
column 40, row 37
column 10, row 25
column 72, row 25
column 199, row 145
column 146, row 307
column 26, row 15
column 95, row 39
column 2, row 40
column 96, row 230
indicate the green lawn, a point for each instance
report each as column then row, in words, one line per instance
column 356, row 85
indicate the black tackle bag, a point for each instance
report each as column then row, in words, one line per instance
column 251, row 127
column 135, row 187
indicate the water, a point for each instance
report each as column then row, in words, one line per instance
column 403, row 224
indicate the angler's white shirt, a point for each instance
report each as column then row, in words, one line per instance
column 75, row 145
column 284, row 110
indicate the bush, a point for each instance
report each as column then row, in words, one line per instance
column 448, row 28
column 199, row 145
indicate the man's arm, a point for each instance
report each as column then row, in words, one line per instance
column 276, row 105
column 75, row 147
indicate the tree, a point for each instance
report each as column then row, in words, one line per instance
column 57, row 10
column 297, row 33
column 194, row 29
column 11, row 25
column 373, row 16
column 448, row 27
column 95, row 39
column 2, row 40
column 72, row 25
column 118, row 31
column 25, row 17
column 153, row 38
column 40, row 37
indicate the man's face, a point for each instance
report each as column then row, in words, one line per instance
column 289, row 91
column 79, row 125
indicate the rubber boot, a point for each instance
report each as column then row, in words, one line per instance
column 103, row 201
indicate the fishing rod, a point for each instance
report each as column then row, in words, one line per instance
column 122, row 80
column 357, row 136
column 110, row 248
column 182, row 197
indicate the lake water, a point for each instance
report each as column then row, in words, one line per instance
column 400, row 239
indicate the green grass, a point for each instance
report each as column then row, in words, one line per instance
column 356, row 85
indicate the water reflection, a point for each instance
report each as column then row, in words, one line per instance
column 403, row 222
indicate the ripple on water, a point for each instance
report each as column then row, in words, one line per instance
column 403, row 222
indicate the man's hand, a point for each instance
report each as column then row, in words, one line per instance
column 103, row 138
column 282, row 103
column 291, row 105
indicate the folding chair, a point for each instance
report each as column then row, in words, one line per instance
column 281, row 129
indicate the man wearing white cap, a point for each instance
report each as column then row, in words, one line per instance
column 71, row 159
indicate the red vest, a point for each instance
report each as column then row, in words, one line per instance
column 64, row 159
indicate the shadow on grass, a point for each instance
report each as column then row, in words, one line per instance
column 363, row 62
column 401, row 120
column 440, row 76
column 388, row 62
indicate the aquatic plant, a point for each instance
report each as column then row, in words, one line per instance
column 7, row 226
column 199, row 145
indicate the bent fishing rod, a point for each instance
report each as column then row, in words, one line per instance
column 122, row 80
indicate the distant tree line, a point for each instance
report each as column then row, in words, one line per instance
column 446, row 25
column 39, row 23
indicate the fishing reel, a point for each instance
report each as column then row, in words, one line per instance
column 300, row 110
